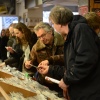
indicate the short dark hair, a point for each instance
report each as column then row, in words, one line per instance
column 61, row 15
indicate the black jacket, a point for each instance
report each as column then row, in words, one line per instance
column 82, row 61
column 3, row 44
column 14, row 59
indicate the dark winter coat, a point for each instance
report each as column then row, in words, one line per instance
column 82, row 61
column 3, row 44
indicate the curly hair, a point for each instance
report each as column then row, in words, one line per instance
column 93, row 20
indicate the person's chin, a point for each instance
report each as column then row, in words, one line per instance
column 45, row 42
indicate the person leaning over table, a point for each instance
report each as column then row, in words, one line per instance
column 81, row 79
column 49, row 46
column 25, row 39
column 12, row 37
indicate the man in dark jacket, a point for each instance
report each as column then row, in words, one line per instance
column 81, row 79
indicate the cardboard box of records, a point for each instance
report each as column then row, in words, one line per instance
column 5, row 75
column 15, row 86
column 7, row 89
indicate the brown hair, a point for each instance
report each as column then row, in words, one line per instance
column 93, row 20
column 61, row 15
column 3, row 32
column 7, row 32
column 23, row 28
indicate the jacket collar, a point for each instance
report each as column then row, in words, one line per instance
column 58, row 41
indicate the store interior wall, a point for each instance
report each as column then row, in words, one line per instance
column 34, row 14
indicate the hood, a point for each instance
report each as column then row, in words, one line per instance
column 77, row 19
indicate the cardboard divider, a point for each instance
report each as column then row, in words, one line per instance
column 6, row 88
column 4, row 94
column 10, row 88
column 5, row 75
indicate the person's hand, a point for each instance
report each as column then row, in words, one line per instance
column 43, row 69
column 45, row 62
column 2, row 64
column 10, row 49
column 28, row 64
column 64, row 87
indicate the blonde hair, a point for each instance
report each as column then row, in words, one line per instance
column 93, row 20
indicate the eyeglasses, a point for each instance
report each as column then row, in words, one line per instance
column 43, row 35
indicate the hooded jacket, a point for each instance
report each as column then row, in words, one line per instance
column 82, row 61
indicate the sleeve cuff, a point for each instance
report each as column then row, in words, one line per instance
column 66, row 80
column 50, row 72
